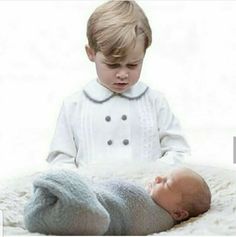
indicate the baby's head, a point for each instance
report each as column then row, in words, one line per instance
column 183, row 193
column 114, row 27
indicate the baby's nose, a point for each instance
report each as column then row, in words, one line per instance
column 158, row 179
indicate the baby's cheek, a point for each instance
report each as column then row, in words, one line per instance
column 149, row 188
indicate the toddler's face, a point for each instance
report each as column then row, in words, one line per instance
column 119, row 77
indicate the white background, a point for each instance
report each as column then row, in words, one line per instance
column 1, row 223
column 42, row 60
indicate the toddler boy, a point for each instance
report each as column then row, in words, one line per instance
column 116, row 117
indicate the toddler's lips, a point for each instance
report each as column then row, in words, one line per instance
column 121, row 84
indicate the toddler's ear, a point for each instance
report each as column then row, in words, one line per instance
column 179, row 214
column 90, row 52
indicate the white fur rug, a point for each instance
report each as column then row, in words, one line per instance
column 219, row 220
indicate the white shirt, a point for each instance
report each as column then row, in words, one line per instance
column 96, row 124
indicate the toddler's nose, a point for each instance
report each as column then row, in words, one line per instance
column 122, row 75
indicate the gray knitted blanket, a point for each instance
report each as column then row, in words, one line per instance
column 63, row 203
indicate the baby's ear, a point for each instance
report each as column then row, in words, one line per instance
column 179, row 214
column 90, row 52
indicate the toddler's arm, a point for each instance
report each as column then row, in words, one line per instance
column 174, row 146
column 63, row 148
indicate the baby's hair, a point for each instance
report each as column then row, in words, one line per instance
column 113, row 29
column 198, row 201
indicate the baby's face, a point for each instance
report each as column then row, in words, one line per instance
column 164, row 191
column 167, row 190
column 119, row 77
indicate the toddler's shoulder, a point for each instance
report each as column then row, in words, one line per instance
column 72, row 103
column 74, row 98
column 155, row 93
column 156, row 96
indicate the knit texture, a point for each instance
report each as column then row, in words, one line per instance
column 63, row 203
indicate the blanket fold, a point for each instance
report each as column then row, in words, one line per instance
column 64, row 203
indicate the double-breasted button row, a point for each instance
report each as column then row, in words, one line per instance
column 108, row 118
column 125, row 142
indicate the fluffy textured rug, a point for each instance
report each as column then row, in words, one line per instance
column 219, row 220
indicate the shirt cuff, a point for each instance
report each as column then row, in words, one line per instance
column 174, row 158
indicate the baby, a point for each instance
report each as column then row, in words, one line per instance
column 183, row 193
column 64, row 203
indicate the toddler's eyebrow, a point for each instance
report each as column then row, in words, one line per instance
column 131, row 62
column 136, row 61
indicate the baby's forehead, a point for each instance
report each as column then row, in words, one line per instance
column 182, row 173
column 185, row 178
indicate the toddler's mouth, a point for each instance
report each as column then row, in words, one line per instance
column 120, row 84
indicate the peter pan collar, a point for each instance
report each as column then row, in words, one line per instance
column 98, row 93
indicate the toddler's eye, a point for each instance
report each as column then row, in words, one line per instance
column 132, row 65
column 113, row 65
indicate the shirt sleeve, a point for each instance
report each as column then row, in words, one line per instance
column 63, row 149
column 174, row 147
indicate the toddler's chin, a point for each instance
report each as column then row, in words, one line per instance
column 119, row 91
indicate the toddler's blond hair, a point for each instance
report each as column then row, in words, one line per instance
column 114, row 26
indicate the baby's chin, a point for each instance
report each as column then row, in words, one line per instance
column 154, row 200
